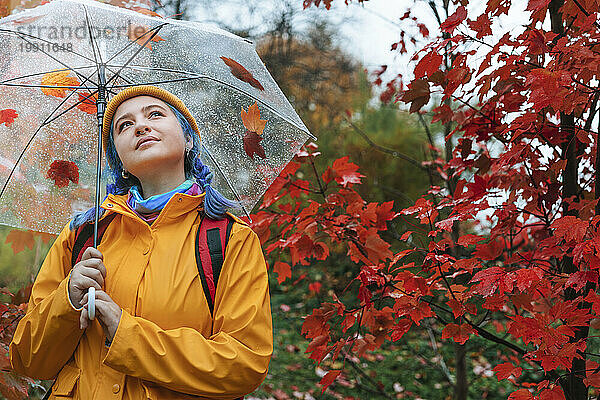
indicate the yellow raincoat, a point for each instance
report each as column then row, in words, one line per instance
column 166, row 345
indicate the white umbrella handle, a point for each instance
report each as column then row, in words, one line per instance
column 91, row 302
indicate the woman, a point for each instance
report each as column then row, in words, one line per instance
column 154, row 336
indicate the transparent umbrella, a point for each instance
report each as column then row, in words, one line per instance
column 60, row 62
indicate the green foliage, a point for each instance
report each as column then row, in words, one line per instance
column 19, row 270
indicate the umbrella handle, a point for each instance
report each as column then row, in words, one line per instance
column 91, row 302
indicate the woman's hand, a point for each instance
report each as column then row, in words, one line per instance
column 107, row 311
column 88, row 272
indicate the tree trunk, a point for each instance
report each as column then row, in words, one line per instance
column 461, row 388
column 572, row 384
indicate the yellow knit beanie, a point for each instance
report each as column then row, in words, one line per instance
column 142, row 90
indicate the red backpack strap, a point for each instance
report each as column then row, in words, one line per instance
column 211, row 242
column 84, row 237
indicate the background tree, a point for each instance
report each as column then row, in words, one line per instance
column 523, row 152
column 327, row 87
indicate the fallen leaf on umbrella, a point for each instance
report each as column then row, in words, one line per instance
column 19, row 239
column 145, row 11
column 87, row 102
column 252, row 121
column 26, row 20
column 242, row 73
column 62, row 172
column 8, row 116
column 140, row 34
column 254, row 129
column 58, row 78
column 252, row 145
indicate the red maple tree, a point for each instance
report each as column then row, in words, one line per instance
column 509, row 230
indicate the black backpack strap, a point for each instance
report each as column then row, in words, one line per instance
column 211, row 242
column 84, row 237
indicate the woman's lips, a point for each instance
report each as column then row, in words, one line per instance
column 142, row 142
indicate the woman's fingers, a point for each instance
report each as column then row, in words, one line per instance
column 102, row 295
column 103, row 300
column 91, row 252
column 83, row 319
column 92, row 273
column 94, row 263
column 107, row 311
column 84, row 283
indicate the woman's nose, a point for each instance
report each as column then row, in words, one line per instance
column 142, row 128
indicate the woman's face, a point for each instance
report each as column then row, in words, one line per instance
column 147, row 136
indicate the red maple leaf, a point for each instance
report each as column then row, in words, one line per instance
column 343, row 172
column 87, row 102
column 377, row 248
column 400, row 328
column 580, row 278
column 539, row 8
column 521, row 394
column 254, row 130
column 466, row 240
column 491, row 250
column 415, row 309
column 252, row 145
column 429, row 64
column 8, row 116
column 454, row 20
column 477, row 188
column 460, row 333
column 242, row 73
column 570, row 228
column 493, row 279
column 385, row 213
column 328, row 379
column 442, row 113
column 417, row 95
column 20, row 239
column 283, row 271
column 555, row 393
column 62, row 172
column 482, row 25
column 506, row 369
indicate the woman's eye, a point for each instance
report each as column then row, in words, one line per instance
column 123, row 125
column 155, row 112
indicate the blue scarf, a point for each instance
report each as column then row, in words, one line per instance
column 154, row 203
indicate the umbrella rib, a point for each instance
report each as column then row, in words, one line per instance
column 70, row 108
column 63, row 64
column 177, row 71
column 43, row 73
column 87, row 21
column 156, row 29
column 43, row 86
column 131, row 43
column 51, row 86
column 159, row 82
column 33, row 137
column 237, row 196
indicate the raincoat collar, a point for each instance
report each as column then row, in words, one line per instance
column 179, row 204
column 157, row 202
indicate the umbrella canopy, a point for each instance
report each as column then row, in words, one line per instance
column 56, row 57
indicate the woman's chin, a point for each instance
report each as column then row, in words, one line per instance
column 150, row 160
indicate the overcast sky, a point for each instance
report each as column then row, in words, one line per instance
column 369, row 29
